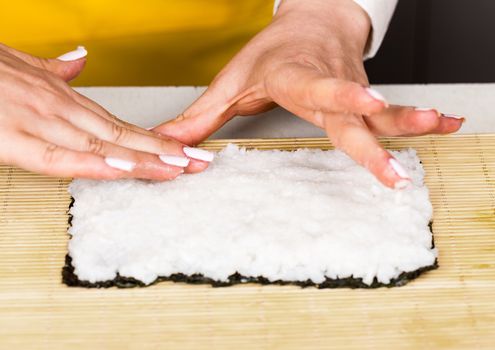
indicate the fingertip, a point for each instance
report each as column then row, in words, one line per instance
column 66, row 70
column 155, row 169
column 460, row 118
column 196, row 166
column 389, row 171
column 397, row 167
column 391, row 179
column 398, row 176
column 72, row 69
column 453, row 119
column 449, row 124
column 166, row 131
column 402, row 184
column 78, row 53
column 377, row 98
column 176, row 130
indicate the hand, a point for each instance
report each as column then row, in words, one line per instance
column 309, row 61
column 47, row 127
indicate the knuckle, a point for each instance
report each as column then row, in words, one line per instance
column 45, row 102
column 41, row 63
column 51, row 99
column 119, row 133
column 95, row 145
column 168, row 145
column 338, row 67
column 40, row 78
column 306, row 58
column 51, row 82
column 51, row 155
column 36, row 82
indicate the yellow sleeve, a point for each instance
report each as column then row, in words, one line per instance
column 147, row 42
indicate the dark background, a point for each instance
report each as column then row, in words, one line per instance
column 437, row 41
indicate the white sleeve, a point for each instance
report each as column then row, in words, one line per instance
column 380, row 13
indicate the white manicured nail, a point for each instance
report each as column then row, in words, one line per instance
column 376, row 95
column 398, row 168
column 78, row 53
column 402, row 184
column 120, row 164
column 453, row 116
column 198, row 153
column 423, row 109
column 174, row 160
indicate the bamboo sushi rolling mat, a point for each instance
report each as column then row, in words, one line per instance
column 452, row 307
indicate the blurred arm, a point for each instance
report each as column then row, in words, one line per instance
column 380, row 13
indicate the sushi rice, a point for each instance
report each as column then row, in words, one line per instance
column 289, row 216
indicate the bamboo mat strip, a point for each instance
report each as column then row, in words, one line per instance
column 450, row 308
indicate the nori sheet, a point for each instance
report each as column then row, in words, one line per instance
column 71, row 279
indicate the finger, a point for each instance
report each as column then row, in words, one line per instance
column 106, row 130
column 295, row 86
column 65, row 69
column 450, row 123
column 96, row 108
column 144, row 165
column 407, row 121
column 138, row 138
column 39, row 156
column 350, row 134
column 205, row 116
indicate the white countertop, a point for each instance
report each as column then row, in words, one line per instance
column 148, row 106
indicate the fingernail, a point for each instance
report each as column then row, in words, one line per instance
column 174, row 160
column 198, row 153
column 78, row 53
column 376, row 95
column 398, row 168
column 402, row 184
column 120, row 164
column 454, row 116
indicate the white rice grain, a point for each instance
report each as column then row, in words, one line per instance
column 291, row 216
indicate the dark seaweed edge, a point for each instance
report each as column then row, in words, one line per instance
column 70, row 278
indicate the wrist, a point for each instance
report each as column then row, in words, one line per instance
column 329, row 23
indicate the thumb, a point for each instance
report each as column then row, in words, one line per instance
column 201, row 119
column 68, row 66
